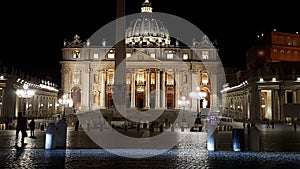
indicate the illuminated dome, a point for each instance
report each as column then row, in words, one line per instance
column 146, row 31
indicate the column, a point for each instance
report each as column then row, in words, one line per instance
column 177, row 88
column 132, row 101
column 102, row 91
column 163, row 89
column 147, row 90
column 195, row 75
column 275, row 104
column 281, row 103
column 66, row 80
column 91, row 87
column 86, row 94
column 157, row 93
column 294, row 96
column 214, row 96
column 17, row 105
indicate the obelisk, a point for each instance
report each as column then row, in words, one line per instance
column 120, row 89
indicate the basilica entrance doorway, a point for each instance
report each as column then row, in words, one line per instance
column 140, row 103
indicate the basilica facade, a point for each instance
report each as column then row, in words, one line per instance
column 159, row 71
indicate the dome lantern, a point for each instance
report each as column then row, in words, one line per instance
column 146, row 7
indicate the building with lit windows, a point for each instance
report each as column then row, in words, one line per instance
column 22, row 93
column 270, row 85
column 159, row 71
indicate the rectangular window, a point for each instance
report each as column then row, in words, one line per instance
column 152, row 55
column 140, row 78
column 111, row 56
column 170, row 56
column 152, row 78
column 76, row 78
column 96, row 55
column 110, row 78
column 170, row 78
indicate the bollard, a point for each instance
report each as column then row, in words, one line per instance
column 182, row 128
column 161, row 128
column 254, row 139
column 238, row 139
column 211, row 138
column 50, row 137
column 61, row 138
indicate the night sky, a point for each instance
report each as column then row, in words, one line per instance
column 33, row 33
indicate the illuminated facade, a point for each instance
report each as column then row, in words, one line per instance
column 158, row 72
column 270, row 86
column 42, row 104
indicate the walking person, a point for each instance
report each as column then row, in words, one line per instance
column 295, row 126
column 76, row 125
column 32, row 127
column 272, row 124
column 21, row 126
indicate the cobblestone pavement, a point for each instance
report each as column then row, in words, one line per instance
column 279, row 149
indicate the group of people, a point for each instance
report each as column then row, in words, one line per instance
column 22, row 125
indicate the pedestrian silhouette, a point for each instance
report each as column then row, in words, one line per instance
column 272, row 124
column 21, row 126
column 76, row 125
column 268, row 124
column 32, row 127
column 295, row 126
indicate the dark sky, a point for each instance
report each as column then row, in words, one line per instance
column 33, row 33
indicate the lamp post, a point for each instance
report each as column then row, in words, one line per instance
column 65, row 102
column 183, row 102
column 25, row 93
column 198, row 95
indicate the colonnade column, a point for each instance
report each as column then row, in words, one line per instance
column 275, row 105
column 281, row 103
column 132, row 101
column 147, row 90
column 163, row 89
column 157, row 89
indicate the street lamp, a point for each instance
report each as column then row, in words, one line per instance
column 25, row 93
column 65, row 102
column 198, row 95
column 183, row 102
